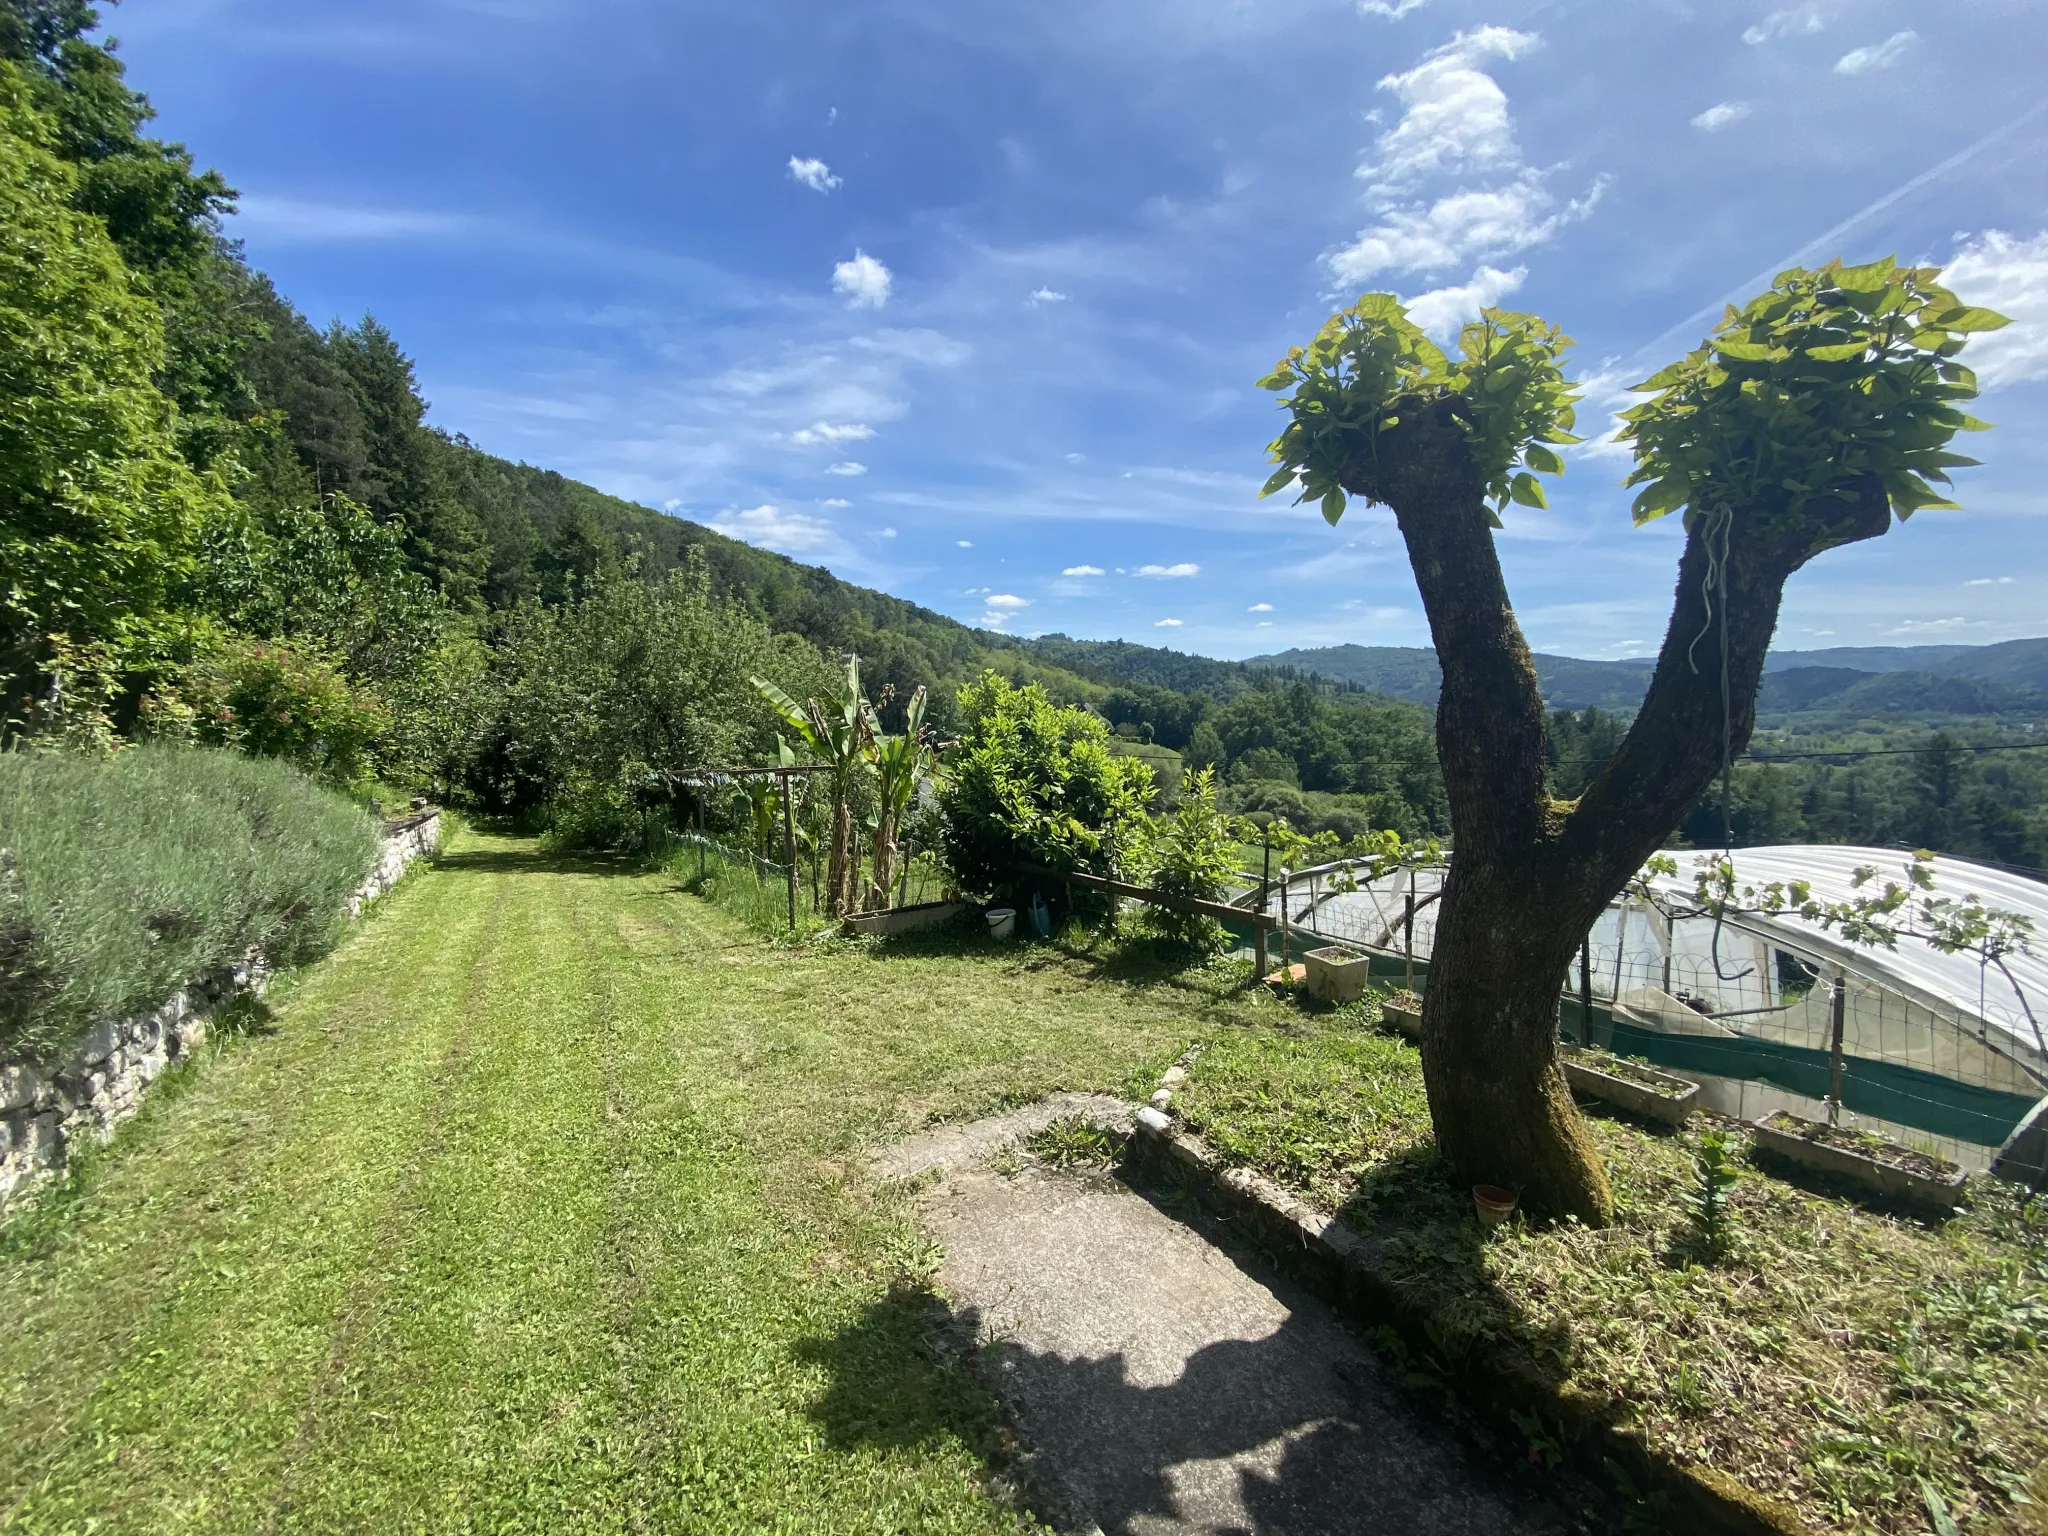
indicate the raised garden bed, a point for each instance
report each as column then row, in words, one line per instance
column 1927, row 1183
column 1630, row 1085
column 929, row 914
column 1404, row 1011
column 1337, row 975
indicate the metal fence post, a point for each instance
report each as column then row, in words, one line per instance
column 1840, row 1012
column 789, row 849
column 1408, row 937
column 1586, row 990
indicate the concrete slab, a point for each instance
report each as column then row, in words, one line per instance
column 1164, row 1388
column 959, row 1146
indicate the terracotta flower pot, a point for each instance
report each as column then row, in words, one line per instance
column 1494, row 1204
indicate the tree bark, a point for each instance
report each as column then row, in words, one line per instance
column 1530, row 874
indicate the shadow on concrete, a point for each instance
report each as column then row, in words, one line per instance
column 1240, row 1442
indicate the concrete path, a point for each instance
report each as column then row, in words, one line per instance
column 1164, row 1388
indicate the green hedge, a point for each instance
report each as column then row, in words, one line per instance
column 123, row 879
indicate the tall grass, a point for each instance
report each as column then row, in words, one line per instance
column 123, row 879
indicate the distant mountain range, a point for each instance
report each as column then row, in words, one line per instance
column 1847, row 682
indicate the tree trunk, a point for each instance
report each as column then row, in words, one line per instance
column 1529, row 873
column 1502, row 1111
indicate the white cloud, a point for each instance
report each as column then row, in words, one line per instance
column 284, row 218
column 1990, row 581
column 835, row 502
column 1167, row 624
column 1454, row 127
column 931, row 348
column 1082, row 570
column 1393, row 11
column 1884, row 55
column 1461, row 227
column 1455, row 116
column 864, row 281
column 888, row 533
column 1045, row 296
column 1720, row 115
column 1263, row 624
column 828, row 432
column 848, row 469
column 1260, row 608
column 1795, row 21
column 772, row 528
column 1008, row 600
column 2011, row 276
column 1169, row 572
column 964, row 543
column 1932, row 626
column 1442, row 311
column 814, row 174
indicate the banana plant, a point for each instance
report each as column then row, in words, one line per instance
column 901, row 763
column 838, row 732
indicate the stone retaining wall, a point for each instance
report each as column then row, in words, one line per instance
column 45, row 1110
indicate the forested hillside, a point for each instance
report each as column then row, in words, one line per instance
column 226, row 524
column 222, row 523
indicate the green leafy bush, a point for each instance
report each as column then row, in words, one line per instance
column 124, row 878
column 1034, row 782
column 1193, row 854
column 270, row 699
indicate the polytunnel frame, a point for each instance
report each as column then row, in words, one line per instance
column 1670, row 904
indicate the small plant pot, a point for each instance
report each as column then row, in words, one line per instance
column 1002, row 922
column 1336, row 975
column 1404, row 1011
column 1494, row 1204
column 1925, row 1183
column 1639, row 1090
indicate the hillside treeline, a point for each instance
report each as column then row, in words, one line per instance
column 222, row 523
column 225, row 524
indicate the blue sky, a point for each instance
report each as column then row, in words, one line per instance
column 965, row 301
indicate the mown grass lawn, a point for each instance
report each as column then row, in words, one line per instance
column 539, row 1207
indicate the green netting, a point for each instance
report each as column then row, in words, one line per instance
column 1903, row 1095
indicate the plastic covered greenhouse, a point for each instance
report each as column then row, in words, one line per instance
column 1940, row 1050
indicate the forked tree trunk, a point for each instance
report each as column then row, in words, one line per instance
column 1530, row 874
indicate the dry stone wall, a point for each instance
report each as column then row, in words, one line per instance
column 45, row 1111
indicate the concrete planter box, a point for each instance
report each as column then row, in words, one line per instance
column 1668, row 1100
column 1404, row 1011
column 928, row 914
column 1336, row 975
column 1936, row 1193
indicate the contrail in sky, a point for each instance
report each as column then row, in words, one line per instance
column 1828, row 237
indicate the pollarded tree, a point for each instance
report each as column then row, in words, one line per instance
column 1810, row 418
